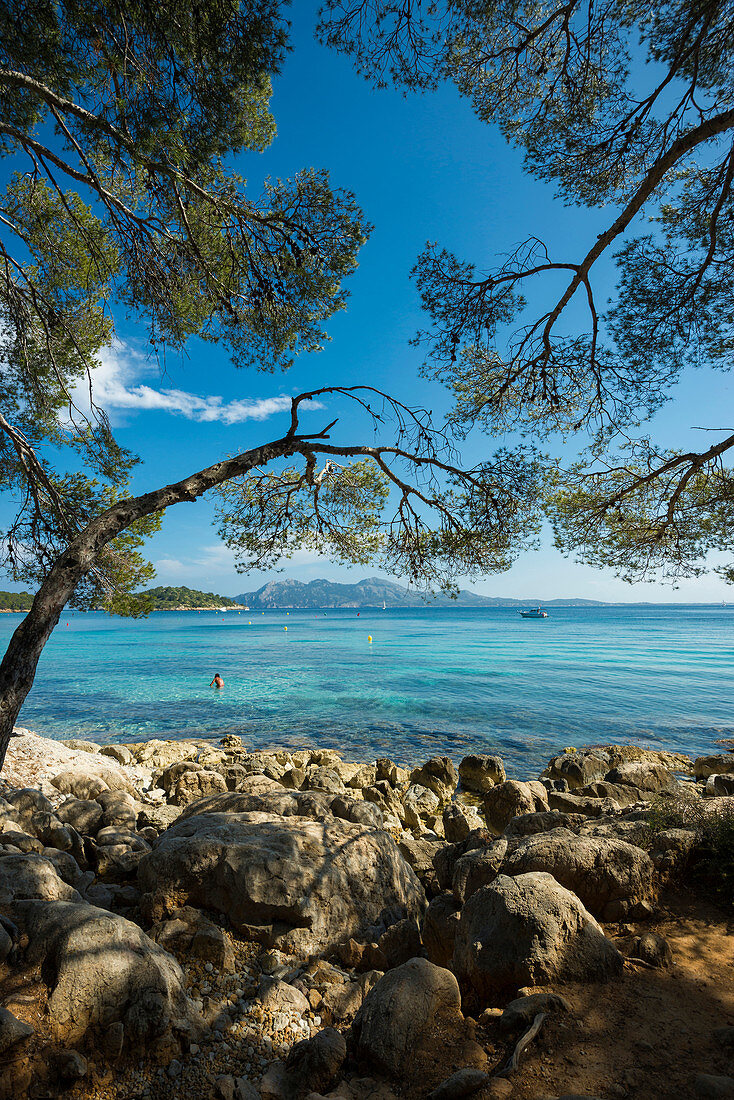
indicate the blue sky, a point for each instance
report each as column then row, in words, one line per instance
column 423, row 168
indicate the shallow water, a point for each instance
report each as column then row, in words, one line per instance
column 432, row 681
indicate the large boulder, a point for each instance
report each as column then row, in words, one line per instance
column 400, row 1013
column 419, row 802
column 439, row 775
column 439, row 929
column 306, row 884
column 270, row 798
column 644, row 776
column 579, row 768
column 722, row 763
column 609, row 876
column 719, row 786
column 86, row 782
column 509, row 799
column 459, row 820
column 25, row 876
column 481, row 772
column 528, row 931
column 103, row 969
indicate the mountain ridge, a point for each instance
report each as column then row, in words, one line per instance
column 372, row 592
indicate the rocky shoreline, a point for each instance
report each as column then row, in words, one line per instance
column 186, row 919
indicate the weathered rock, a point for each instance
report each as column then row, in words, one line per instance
column 569, row 802
column 719, row 785
column 70, row 1065
column 119, row 809
column 120, row 753
column 90, row 781
column 399, row 1014
column 644, row 776
column 79, row 745
column 721, row 763
column 189, row 932
column 419, row 802
column 621, row 793
column 419, row 852
column 391, row 773
column 440, row 925
column 579, row 768
column 342, row 1001
column 12, row 1031
column 400, row 942
column 446, row 857
column 104, row 970
column 439, row 775
column 28, row 801
column 508, row 800
column 710, row 1086
column 459, row 820
column 31, row 876
column 325, row 779
column 521, row 1012
column 314, row 1065
column 599, row 871
column 481, row 772
column 363, row 777
column 158, row 755
column 277, row 996
column 269, row 798
column 465, row 1082
column 66, row 867
column 653, row 949
column 83, row 814
column 361, row 813
column 528, row 930
column 477, row 868
column 22, row 841
column 302, row 883
column 543, row 822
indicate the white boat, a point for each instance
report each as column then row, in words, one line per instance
column 534, row 613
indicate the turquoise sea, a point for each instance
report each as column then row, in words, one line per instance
column 432, row 681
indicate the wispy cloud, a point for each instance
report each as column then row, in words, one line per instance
column 114, row 388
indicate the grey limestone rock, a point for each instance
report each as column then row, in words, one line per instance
column 579, row 768
column 400, row 1012
column 528, row 930
column 599, row 870
column 465, row 1082
column 508, row 800
column 481, row 772
column 644, row 776
column 103, row 971
column 440, row 925
column 439, row 775
column 12, row 1030
column 458, row 821
column 304, row 884
column 721, row 763
column 31, row 876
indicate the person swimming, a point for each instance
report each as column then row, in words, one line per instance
column 217, row 682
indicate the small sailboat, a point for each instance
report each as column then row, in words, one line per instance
column 533, row 613
column 384, row 607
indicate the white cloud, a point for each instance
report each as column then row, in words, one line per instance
column 113, row 388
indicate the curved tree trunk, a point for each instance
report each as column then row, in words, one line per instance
column 18, row 667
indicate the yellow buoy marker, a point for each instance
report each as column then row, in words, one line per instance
column 369, row 637
column 285, row 628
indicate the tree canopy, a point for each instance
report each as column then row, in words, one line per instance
column 625, row 107
column 116, row 120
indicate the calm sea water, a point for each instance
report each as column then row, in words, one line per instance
column 448, row 682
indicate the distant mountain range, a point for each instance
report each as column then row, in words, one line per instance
column 373, row 592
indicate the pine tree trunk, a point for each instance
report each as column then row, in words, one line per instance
column 18, row 667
